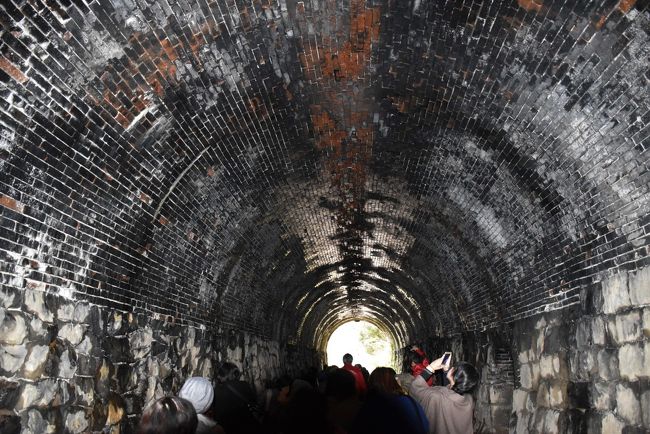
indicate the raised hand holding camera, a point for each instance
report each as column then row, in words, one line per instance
column 440, row 363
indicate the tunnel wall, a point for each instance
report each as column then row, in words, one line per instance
column 70, row 366
column 585, row 368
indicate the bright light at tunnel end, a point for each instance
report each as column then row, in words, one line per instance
column 369, row 346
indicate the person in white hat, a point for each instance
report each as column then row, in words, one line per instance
column 199, row 391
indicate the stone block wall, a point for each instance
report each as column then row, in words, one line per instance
column 69, row 366
column 540, row 402
column 586, row 369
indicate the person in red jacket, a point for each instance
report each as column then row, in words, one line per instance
column 359, row 381
column 419, row 362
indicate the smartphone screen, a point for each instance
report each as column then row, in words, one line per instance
column 445, row 358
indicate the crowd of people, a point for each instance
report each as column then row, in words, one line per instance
column 431, row 397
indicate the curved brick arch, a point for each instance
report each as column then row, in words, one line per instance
column 268, row 170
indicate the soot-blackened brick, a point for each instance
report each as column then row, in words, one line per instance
column 461, row 152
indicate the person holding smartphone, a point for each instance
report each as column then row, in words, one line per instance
column 449, row 409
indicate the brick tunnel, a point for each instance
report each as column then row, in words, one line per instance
column 185, row 182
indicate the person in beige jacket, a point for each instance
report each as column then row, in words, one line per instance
column 450, row 409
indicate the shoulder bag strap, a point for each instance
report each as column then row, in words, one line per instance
column 237, row 394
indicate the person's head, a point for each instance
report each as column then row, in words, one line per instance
column 199, row 392
column 296, row 386
column 281, row 382
column 228, row 372
column 306, row 412
column 340, row 385
column 310, row 375
column 463, row 378
column 415, row 358
column 347, row 358
column 169, row 415
column 382, row 380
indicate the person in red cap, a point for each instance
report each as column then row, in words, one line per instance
column 419, row 362
column 359, row 381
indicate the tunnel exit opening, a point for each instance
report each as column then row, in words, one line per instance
column 369, row 345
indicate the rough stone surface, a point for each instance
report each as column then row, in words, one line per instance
column 627, row 405
column 500, row 394
column 543, row 396
column 631, row 362
column 500, row 416
column 602, row 396
column 627, row 328
column 598, row 331
column 549, row 366
column 584, row 363
column 646, row 358
column 645, row 408
column 615, row 293
column 585, row 384
column 523, row 422
column 41, row 394
column 9, row 297
column 12, row 357
column 140, row 342
column 551, row 422
column 523, row 357
column 76, row 422
column 611, row 424
column 640, row 287
column 64, row 377
column 579, row 395
column 557, row 394
column 67, row 368
column 521, row 401
column 37, row 328
column 584, row 334
column 66, row 312
column 608, row 363
column 85, row 347
column 35, row 303
column 35, row 363
column 9, row 393
column 12, row 328
column 529, row 376
column 73, row 333
column 36, row 423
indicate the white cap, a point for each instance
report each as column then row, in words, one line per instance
column 199, row 391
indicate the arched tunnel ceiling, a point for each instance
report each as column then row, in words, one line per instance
column 282, row 166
